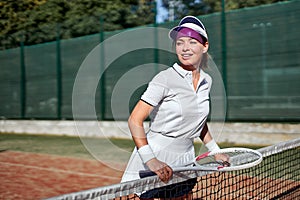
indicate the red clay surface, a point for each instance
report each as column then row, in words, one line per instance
column 31, row 176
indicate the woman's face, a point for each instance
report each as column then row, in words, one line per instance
column 189, row 51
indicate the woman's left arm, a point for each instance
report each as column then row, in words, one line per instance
column 208, row 140
column 211, row 144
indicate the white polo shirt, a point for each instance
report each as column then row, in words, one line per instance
column 178, row 116
column 179, row 110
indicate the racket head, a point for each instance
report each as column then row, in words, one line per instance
column 238, row 158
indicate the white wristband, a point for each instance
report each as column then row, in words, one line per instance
column 146, row 153
column 212, row 146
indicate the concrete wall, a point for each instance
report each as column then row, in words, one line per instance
column 240, row 133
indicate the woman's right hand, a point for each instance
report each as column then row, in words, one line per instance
column 163, row 171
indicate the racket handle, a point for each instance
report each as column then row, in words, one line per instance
column 146, row 173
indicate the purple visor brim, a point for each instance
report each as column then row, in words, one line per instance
column 187, row 32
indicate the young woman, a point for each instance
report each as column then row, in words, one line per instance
column 177, row 100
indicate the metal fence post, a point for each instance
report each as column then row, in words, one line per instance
column 22, row 79
column 156, row 54
column 58, row 72
column 224, row 45
column 102, row 70
column 224, row 52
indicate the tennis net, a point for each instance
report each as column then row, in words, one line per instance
column 276, row 177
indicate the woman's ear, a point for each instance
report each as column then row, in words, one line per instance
column 206, row 46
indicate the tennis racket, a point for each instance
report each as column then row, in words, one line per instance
column 239, row 158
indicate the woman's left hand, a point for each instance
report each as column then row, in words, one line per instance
column 163, row 171
column 223, row 158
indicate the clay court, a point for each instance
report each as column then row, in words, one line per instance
column 29, row 176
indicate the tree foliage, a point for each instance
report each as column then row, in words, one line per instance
column 200, row 7
column 36, row 21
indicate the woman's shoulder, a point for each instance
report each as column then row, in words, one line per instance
column 163, row 75
column 166, row 71
column 206, row 75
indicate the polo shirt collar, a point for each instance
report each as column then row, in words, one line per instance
column 182, row 72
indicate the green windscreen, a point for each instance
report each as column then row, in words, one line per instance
column 260, row 66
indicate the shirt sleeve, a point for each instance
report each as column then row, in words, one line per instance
column 155, row 92
column 209, row 80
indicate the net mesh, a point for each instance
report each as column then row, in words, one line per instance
column 277, row 177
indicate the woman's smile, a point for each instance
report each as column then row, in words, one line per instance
column 186, row 55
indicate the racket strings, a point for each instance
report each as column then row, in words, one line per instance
column 243, row 158
column 236, row 158
column 210, row 161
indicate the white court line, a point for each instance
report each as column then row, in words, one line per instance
column 59, row 170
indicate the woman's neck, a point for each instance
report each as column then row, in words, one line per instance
column 196, row 78
column 190, row 68
column 195, row 74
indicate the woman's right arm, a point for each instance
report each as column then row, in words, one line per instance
column 135, row 123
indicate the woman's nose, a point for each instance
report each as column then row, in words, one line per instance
column 186, row 47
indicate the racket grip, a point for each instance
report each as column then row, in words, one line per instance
column 146, row 173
